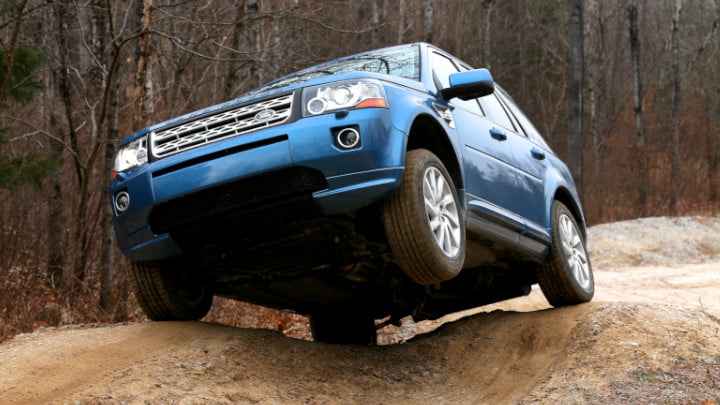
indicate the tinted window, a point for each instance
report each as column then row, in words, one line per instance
column 443, row 68
column 495, row 111
column 525, row 123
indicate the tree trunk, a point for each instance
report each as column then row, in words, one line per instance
column 254, row 39
column 486, row 4
column 638, row 104
column 82, row 239
column 232, row 77
column 635, row 67
column 68, row 54
column 714, row 157
column 56, row 247
column 402, row 6
column 375, row 19
column 143, row 79
column 427, row 15
column 108, row 300
column 596, row 99
column 575, row 92
column 676, row 81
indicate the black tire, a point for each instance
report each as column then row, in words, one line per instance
column 343, row 328
column 167, row 293
column 566, row 276
column 421, row 251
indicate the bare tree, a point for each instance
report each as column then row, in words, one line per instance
column 576, row 70
column 632, row 12
column 486, row 44
column 427, row 15
column 401, row 23
column 676, row 84
column 636, row 71
column 143, row 78
column 375, row 19
column 596, row 81
column 236, row 35
column 714, row 156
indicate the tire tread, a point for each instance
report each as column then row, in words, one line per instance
column 419, row 257
column 159, row 299
column 559, row 288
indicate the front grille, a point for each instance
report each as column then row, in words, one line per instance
column 235, row 197
column 238, row 121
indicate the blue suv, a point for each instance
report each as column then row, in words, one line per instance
column 390, row 183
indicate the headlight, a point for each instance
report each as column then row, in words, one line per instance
column 343, row 95
column 131, row 155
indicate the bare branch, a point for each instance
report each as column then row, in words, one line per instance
column 36, row 131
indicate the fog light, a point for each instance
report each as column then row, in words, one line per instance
column 348, row 138
column 122, row 201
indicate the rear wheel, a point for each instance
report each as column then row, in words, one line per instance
column 168, row 292
column 423, row 221
column 343, row 328
column 566, row 276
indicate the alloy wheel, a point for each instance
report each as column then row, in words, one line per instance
column 442, row 211
column 575, row 253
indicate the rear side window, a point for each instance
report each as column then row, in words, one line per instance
column 523, row 121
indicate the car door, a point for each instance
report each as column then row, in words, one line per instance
column 490, row 180
column 529, row 166
column 530, row 158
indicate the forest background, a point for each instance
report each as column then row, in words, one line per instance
column 625, row 91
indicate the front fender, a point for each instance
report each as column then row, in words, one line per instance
column 417, row 115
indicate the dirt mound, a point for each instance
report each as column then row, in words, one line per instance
column 657, row 241
column 587, row 353
column 651, row 336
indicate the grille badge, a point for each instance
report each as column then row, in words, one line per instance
column 265, row 115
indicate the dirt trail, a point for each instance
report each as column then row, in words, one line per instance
column 651, row 335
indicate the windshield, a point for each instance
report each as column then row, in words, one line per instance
column 402, row 62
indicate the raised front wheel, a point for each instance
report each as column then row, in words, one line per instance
column 166, row 292
column 423, row 221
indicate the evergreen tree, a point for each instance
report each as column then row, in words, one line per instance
column 17, row 83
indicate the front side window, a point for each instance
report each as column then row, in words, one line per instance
column 495, row 111
column 442, row 69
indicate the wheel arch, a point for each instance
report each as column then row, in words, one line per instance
column 426, row 133
column 563, row 195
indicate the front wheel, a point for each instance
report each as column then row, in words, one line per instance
column 566, row 276
column 423, row 221
column 167, row 292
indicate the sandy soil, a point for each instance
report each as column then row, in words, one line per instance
column 650, row 336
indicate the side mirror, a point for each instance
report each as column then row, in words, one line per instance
column 469, row 84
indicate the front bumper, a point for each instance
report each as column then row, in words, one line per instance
column 354, row 178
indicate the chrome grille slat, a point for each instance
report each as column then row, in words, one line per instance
column 238, row 121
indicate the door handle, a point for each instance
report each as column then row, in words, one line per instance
column 537, row 153
column 498, row 134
